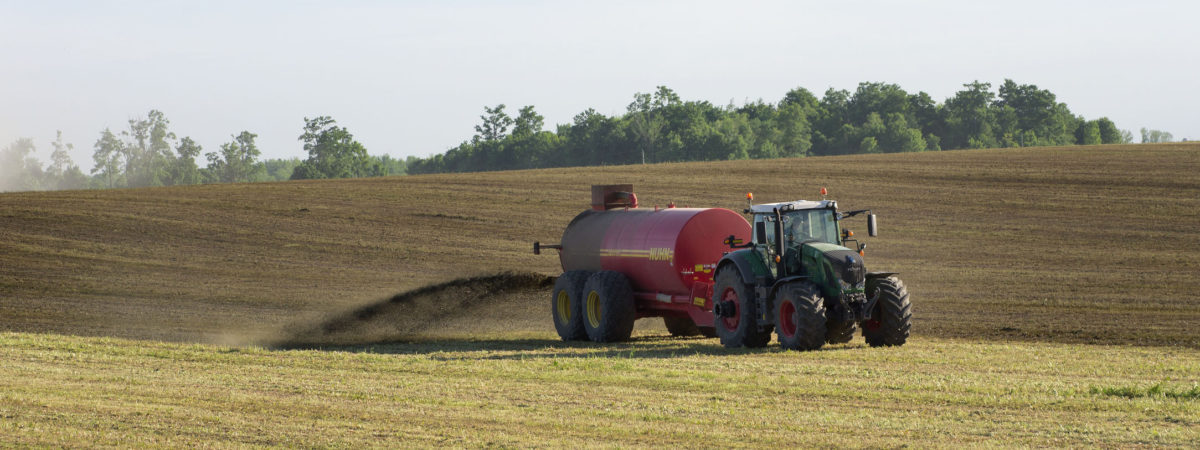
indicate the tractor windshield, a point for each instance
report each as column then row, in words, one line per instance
column 808, row 225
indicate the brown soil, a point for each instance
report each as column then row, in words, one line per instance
column 1093, row 244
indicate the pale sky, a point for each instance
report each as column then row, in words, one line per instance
column 412, row 78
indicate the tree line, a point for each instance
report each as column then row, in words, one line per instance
column 655, row 127
column 148, row 153
column 875, row 118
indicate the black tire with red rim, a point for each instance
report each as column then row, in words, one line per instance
column 800, row 316
column 739, row 328
column 891, row 319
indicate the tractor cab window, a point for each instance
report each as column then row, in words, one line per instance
column 810, row 225
column 769, row 238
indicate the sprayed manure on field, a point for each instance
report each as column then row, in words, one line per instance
column 467, row 307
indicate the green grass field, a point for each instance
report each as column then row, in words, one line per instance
column 1054, row 293
column 654, row 392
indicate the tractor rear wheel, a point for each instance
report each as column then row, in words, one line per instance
column 891, row 319
column 608, row 307
column 800, row 317
column 681, row 326
column 566, row 305
column 737, row 326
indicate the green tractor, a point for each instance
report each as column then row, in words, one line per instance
column 800, row 279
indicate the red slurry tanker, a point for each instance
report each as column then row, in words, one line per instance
column 690, row 267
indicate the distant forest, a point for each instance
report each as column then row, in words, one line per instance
column 875, row 118
column 656, row 127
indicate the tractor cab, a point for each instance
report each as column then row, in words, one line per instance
column 802, row 221
column 783, row 230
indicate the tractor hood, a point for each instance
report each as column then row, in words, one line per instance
column 834, row 266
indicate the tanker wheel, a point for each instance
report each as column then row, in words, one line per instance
column 891, row 319
column 566, row 305
column 608, row 307
column 681, row 326
column 739, row 327
column 800, row 317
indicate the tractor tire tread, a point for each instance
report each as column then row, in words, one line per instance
column 747, row 333
column 895, row 314
column 810, row 316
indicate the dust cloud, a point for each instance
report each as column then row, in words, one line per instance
column 503, row 303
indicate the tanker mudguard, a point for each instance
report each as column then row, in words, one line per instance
column 871, row 275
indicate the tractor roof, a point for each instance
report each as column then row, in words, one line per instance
column 794, row 205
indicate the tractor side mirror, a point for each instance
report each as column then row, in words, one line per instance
column 872, row 228
column 760, row 232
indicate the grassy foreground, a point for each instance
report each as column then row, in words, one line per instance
column 654, row 392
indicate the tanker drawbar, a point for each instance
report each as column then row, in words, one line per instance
column 689, row 266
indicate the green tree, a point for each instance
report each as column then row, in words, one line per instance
column 60, row 158
column 1155, row 136
column 495, row 124
column 1088, row 133
column 62, row 172
column 109, row 154
column 392, row 166
column 237, row 162
column 832, row 129
column 803, row 98
column 279, row 169
column 877, row 117
column 645, row 124
column 1025, row 107
column 926, row 115
column 794, row 128
column 183, row 169
column 899, row 137
column 665, row 97
column 879, row 98
column 332, row 152
column 527, row 123
column 969, row 118
column 1109, row 133
column 147, row 150
column 868, row 145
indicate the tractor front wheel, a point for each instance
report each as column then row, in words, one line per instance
column 800, row 317
column 891, row 319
